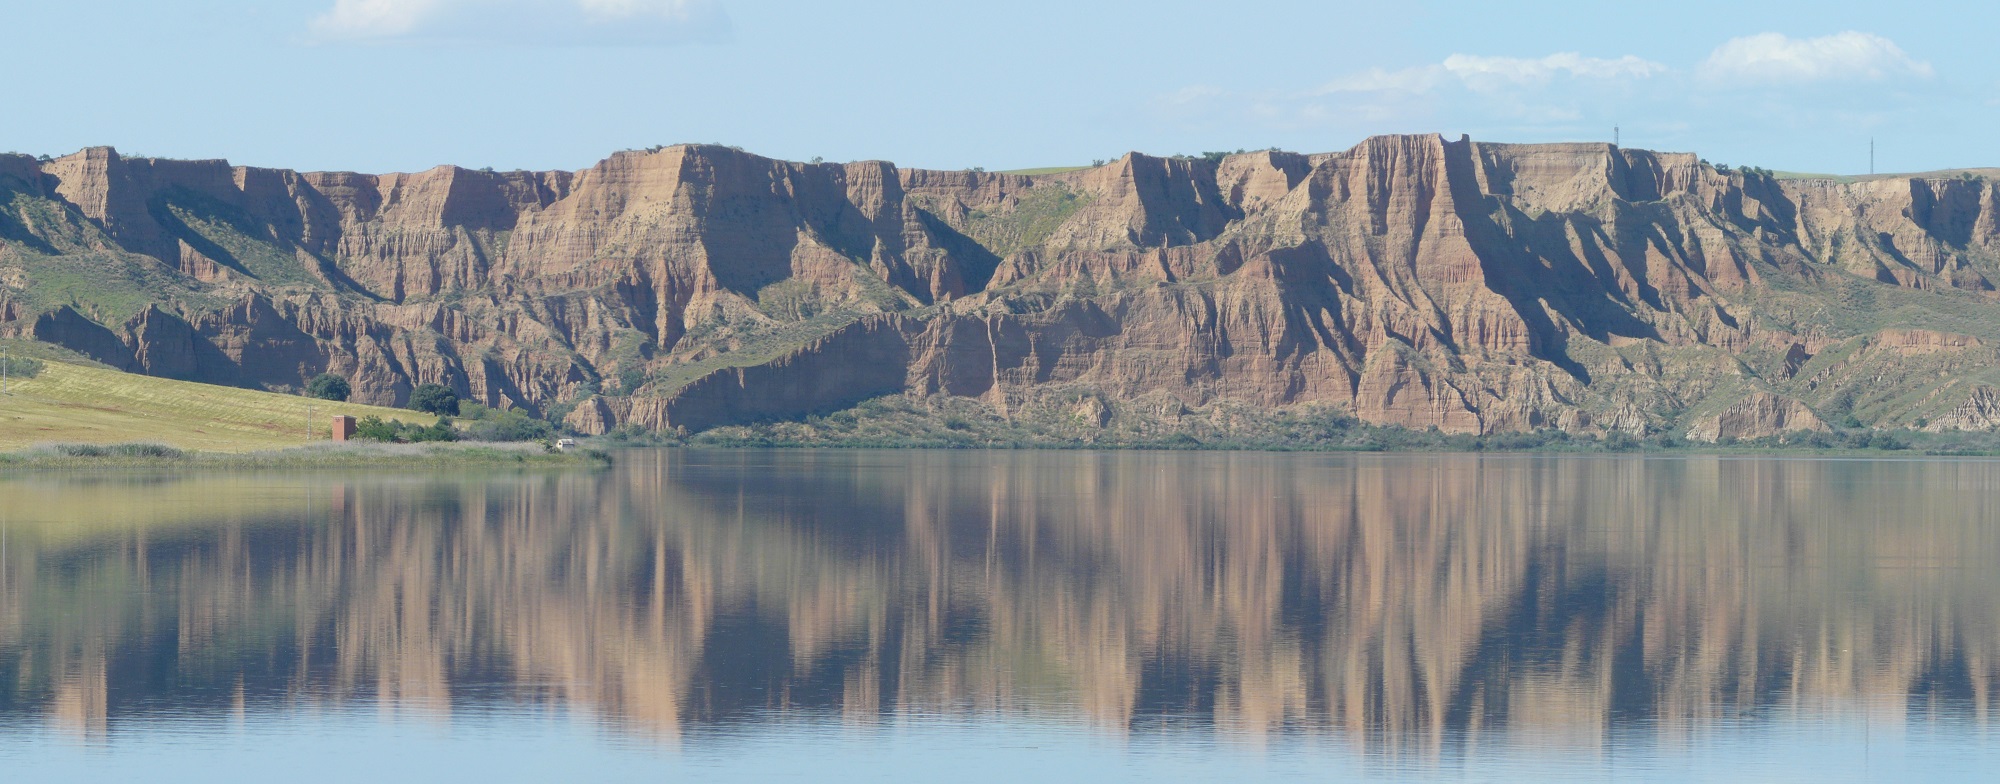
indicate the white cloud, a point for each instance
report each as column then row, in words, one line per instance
column 523, row 21
column 636, row 9
column 1494, row 74
column 375, row 18
column 1774, row 58
column 1192, row 95
column 1421, row 79
column 1489, row 73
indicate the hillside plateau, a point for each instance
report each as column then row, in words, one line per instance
column 1409, row 281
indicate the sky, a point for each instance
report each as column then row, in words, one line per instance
column 404, row 85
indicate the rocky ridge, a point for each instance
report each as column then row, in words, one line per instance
column 1411, row 281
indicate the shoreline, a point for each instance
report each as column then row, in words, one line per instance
column 443, row 455
column 598, row 453
column 1582, row 449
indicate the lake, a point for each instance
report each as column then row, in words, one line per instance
column 1000, row 616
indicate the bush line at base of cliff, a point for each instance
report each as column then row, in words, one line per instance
column 477, row 423
column 957, row 423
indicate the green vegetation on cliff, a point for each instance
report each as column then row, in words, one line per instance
column 1026, row 223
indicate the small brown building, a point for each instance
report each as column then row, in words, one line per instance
column 343, row 427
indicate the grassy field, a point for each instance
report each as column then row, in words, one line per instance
column 78, row 404
column 1941, row 174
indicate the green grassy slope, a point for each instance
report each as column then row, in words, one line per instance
column 80, row 404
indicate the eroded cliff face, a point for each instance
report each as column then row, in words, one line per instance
column 1411, row 280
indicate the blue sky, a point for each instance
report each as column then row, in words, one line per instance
column 401, row 85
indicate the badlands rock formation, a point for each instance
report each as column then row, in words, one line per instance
column 1411, row 280
column 1759, row 414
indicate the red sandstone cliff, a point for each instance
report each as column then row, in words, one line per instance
column 1414, row 281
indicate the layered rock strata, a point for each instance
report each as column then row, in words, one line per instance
column 1411, row 280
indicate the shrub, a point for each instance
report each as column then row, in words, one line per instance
column 374, row 429
column 21, row 367
column 396, row 431
column 119, row 450
column 440, row 430
column 327, row 386
column 508, row 425
column 631, row 378
column 434, row 399
column 1886, row 442
column 147, row 450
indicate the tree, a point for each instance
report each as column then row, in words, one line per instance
column 509, row 425
column 434, row 399
column 395, row 431
column 374, row 429
column 327, row 386
column 440, row 430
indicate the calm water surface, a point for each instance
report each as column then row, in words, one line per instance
column 971, row 616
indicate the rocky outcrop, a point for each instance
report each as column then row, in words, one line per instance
column 1759, row 415
column 1979, row 411
column 864, row 360
column 1411, row 280
column 1918, row 342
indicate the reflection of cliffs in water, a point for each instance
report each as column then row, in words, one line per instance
column 1400, row 597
